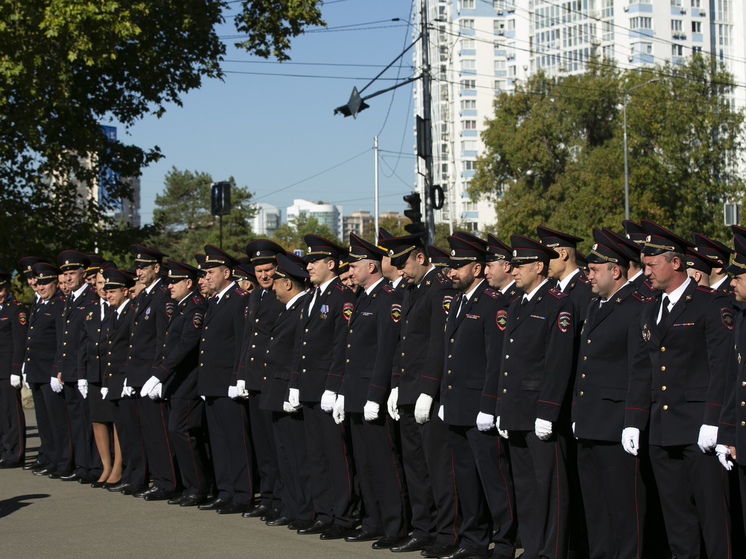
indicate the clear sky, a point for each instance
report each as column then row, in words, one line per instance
column 273, row 131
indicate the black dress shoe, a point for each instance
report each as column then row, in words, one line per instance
column 299, row 524
column 60, row 475
column 85, row 480
column 98, row 484
column 336, row 532
column 71, row 477
column 412, row 544
column 213, row 504
column 256, row 511
column 462, row 553
column 36, row 465
column 271, row 515
column 114, row 486
column 145, row 491
column 316, row 527
column 233, row 508
column 387, row 542
column 45, row 471
column 438, row 550
column 361, row 535
column 280, row 521
column 132, row 489
column 176, row 500
column 192, row 500
column 8, row 464
column 160, row 495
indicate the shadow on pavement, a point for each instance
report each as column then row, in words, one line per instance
column 9, row 506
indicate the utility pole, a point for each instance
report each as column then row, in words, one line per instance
column 427, row 141
column 375, row 191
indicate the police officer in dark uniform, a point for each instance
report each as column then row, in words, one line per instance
column 81, row 301
column 612, row 487
column 26, row 263
column 565, row 270
column 535, row 377
column 117, row 331
column 636, row 234
column 677, row 387
column 315, row 378
column 498, row 269
column 371, row 344
column 13, row 331
column 220, row 354
column 426, row 452
column 261, row 313
column 287, row 420
column 715, row 250
column 473, row 344
column 175, row 391
column 438, row 258
column 49, row 402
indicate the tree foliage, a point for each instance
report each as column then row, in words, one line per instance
column 183, row 215
column 555, row 152
column 290, row 234
column 66, row 66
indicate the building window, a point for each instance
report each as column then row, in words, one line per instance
column 468, row 104
column 641, row 23
column 467, row 43
column 468, row 84
column 642, row 48
column 499, row 26
column 696, row 50
column 499, row 65
column 500, row 85
column 469, row 165
column 676, row 25
column 467, row 4
column 676, row 2
column 468, row 124
column 466, row 23
column 469, row 64
column 677, row 50
column 469, row 145
column 695, row 3
column 511, row 25
column 696, row 27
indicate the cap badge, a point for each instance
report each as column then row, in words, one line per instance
column 391, row 253
column 258, row 253
column 453, row 253
column 515, row 253
column 595, row 247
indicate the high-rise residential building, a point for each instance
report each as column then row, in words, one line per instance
column 479, row 48
column 266, row 219
column 355, row 223
column 325, row 213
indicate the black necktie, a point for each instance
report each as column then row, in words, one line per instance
column 664, row 308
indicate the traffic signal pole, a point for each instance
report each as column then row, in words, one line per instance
column 428, row 139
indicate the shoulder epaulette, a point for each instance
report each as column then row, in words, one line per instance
column 14, row 301
column 492, row 293
column 443, row 280
column 584, row 279
column 197, row 299
column 557, row 293
column 342, row 287
column 640, row 297
column 388, row 288
column 240, row 292
column 706, row 289
column 516, row 298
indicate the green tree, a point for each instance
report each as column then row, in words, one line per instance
column 182, row 213
column 68, row 65
column 555, row 150
column 290, row 235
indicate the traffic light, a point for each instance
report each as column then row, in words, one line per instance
column 414, row 212
column 221, row 198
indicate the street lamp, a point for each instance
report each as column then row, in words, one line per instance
column 626, row 169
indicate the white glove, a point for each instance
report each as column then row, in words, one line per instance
column 15, row 381
column 422, row 409
column 391, row 403
column 83, row 387
column 573, row 429
column 232, row 392
column 127, row 390
column 25, row 382
column 502, row 432
column 708, row 437
column 203, row 398
column 723, row 452
column 370, row 411
column 327, row 400
column 631, row 440
column 338, row 413
column 157, row 392
column 55, row 384
column 294, row 397
column 241, row 391
column 288, row 408
column 442, row 413
column 543, row 429
column 485, row 421
column 104, row 392
column 149, row 385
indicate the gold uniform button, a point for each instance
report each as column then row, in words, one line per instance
column 582, row 376
column 588, row 341
column 743, row 423
column 665, row 407
column 585, row 358
column 449, row 387
column 348, row 360
column 581, row 392
column 743, row 404
column 663, row 387
column 449, row 357
column 663, row 349
column 663, row 368
column 505, row 390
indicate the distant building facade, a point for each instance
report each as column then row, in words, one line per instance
column 325, row 213
column 266, row 219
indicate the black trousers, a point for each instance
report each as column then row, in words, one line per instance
column 376, row 452
column 541, row 492
column 85, row 454
column 154, row 419
column 290, row 442
column 136, row 470
column 693, row 490
column 614, row 498
column 428, row 467
column 482, row 464
column 12, row 423
column 186, row 424
column 227, row 423
column 54, row 403
column 270, row 480
column 330, row 467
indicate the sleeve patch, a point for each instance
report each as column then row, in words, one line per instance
column 22, row 318
column 727, row 317
column 564, row 321
column 396, row 312
column 347, row 309
column 447, row 303
column 502, row 319
column 170, row 306
column 197, row 320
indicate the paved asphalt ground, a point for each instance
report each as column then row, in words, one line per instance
column 41, row 517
